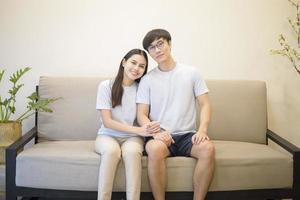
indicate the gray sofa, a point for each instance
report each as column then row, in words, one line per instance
column 63, row 163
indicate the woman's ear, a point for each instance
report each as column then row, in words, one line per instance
column 123, row 62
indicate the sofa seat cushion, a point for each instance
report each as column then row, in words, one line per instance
column 242, row 165
column 74, row 165
column 58, row 165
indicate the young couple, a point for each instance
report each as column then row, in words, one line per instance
column 164, row 104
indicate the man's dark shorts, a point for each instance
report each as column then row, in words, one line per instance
column 182, row 146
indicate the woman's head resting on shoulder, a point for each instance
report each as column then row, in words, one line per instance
column 133, row 67
column 134, row 64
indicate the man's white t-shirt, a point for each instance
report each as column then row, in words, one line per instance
column 124, row 113
column 172, row 97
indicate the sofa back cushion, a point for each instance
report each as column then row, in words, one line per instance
column 239, row 109
column 75, row 116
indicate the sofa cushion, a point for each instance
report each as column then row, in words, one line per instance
column 75, row 116
column 239, row 109
column 73, row 165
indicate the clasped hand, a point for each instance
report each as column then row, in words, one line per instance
column 153, row 129
column 148, row 130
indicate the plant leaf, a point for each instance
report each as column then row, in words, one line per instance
column 1, row 74
column 33, row 96
column 12, row 109
column 18, row 74
column 15, row 89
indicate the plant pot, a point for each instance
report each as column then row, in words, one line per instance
column 9, row 133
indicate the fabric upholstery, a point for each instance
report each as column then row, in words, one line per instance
column 238, row 107
column 74, row 165
column 239, row 110
column 75, row 116
column 65, row 159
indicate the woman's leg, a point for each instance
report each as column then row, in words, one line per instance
column 132, row 151
column 110, row 152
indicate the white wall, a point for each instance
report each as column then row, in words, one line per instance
column 228, row 39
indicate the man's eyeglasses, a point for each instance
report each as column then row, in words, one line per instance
column 160, row 44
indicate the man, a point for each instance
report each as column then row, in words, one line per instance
column 167, row 97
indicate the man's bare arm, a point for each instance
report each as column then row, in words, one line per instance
column 143, row 119
column 153, row 126
column 205, row 116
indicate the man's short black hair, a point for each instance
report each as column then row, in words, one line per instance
column 155, row 34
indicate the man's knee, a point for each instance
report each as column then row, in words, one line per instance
column 156, row 150
column 210, row 149
column 205, row 149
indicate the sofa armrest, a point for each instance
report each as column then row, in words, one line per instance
column 22, row 141
column 10, row 156
column 295, row 151
column 282, row 142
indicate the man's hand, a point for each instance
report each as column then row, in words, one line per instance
column 152, row 127
column 165, row 137
column 199, row 137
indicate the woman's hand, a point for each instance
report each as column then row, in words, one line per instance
column 142, row 131
column 153, row 127
column 148, row 129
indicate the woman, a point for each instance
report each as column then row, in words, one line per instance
column 118, row 135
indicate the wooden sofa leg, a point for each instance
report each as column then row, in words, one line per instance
column 10, row 196
column 296, row 182
column 10, row 173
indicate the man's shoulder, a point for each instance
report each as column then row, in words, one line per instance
column 152, row 71
column 184, row 66
column 188, row 69
column 150, row 74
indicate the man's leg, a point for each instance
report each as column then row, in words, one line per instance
column 203, row 174
column 157, row 153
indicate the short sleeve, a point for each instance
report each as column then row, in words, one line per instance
column 143, row 93
column 200, row 86
column 104, row 95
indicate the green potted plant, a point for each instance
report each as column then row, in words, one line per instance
column 11, row 129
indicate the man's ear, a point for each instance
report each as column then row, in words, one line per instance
column 170, row 44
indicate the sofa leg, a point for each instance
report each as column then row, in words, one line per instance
column 296, row 182
column 10, row 196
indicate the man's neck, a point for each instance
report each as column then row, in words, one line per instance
column 168, row 65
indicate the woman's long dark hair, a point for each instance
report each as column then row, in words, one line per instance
column 117, row 88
